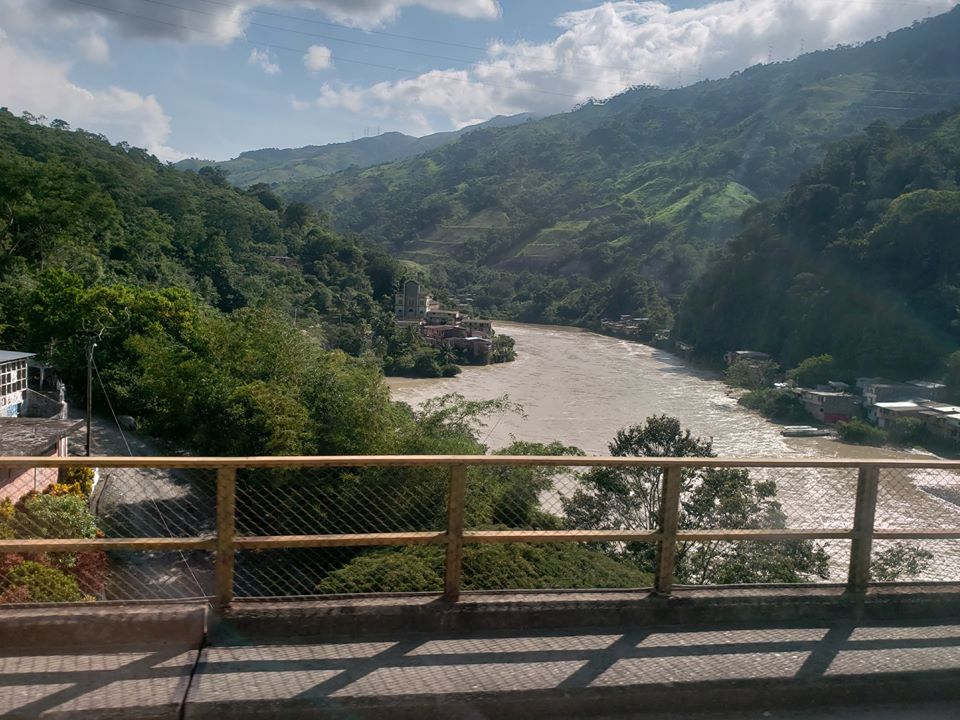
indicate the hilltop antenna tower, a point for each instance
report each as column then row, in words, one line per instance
column 769, row 53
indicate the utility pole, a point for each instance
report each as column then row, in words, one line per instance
column 90, row 346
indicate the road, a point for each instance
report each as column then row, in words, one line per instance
column 150, row 502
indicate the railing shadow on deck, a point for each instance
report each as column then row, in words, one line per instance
column 500, row 672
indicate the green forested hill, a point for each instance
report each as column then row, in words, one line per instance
column 645, row 185
column 190, row 288
column 272, row 165
column 106, row 213
column 860, row 259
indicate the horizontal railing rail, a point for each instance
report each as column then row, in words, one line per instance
column 315, row 461
column 225, row 541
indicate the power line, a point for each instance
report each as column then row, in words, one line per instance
column 359, row 43
column 415, row 38
column 300, row 51
column 153, row 500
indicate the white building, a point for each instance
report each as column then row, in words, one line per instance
column 13, row 381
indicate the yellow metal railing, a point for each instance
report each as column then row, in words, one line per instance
column 225, row 542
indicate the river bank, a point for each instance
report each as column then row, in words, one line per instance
column 580, row 387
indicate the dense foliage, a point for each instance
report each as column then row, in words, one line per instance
column 194, row 292
column 778, row 405
column 859, row 260
column 642, row 187
column 711, row 498
column 60, row 511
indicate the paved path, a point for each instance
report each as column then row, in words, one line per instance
column 810, row 671
column 151, row 502
column 643, row 671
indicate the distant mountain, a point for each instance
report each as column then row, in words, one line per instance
column 272, row 165
column 648, row 183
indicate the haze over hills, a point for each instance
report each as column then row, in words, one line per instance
column 273, row 165
column 645, row 185
column 859, row 260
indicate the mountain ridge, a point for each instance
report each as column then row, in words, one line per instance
column 272, row 165
column 651, row 182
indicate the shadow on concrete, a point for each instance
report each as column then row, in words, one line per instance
column 119, row 682
column 579, row 673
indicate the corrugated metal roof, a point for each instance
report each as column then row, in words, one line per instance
column 10, row 356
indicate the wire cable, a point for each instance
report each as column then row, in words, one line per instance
column 153, row 500
column 472, row 63
column 301, row 51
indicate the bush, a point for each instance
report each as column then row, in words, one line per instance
column 79, row 477
column 387, row 571
column 861, row 433
column 451, row 370
column 491, row 567
column 33, row 582
column 779, row 405
column 816, row 370
column 53, row 516
column 907, row 431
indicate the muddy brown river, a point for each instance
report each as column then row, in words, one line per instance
column 580, row 388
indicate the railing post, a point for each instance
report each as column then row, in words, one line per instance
column 868, row 482
column 455, row 508
column 669, row 519
column 226, row 529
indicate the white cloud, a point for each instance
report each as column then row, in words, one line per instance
column 603, row 49
column 40, row 86
column 264, row 60
column 94, row 48
column 219, row 23
column 317, row 58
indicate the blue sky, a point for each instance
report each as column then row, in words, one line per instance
column 212, row 78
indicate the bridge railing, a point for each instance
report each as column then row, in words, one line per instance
column 216, row 528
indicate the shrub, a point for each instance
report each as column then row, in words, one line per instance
column 53, row 516
column 907, row 431
column 779, row 405
column 861, row 433
column 81, row 477
column 450, row 370
column 33, row 582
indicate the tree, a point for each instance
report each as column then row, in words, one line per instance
column 814, row 371
column 752, row 374
column 857, row 431
column 899, row 560
column 630, row 498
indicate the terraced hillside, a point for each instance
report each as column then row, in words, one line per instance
column 650, row 181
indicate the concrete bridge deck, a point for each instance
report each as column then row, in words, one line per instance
column 164, row 662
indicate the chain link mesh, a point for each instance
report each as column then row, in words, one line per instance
column 913, row 500
column 112, row 503
column 151, row 502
